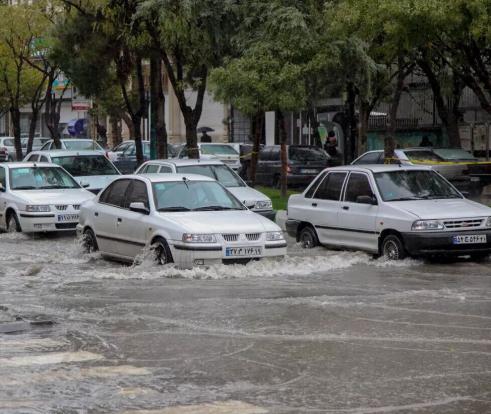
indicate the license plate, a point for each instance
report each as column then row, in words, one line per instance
column 307, row 171
column 474, row 239
column 475, row 179
column 243, row 251
column 67, row 217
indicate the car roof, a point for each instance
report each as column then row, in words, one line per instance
column 375, row 168
column 156, row 178
column 67, row 153
column 185, row 162
column 29, row 164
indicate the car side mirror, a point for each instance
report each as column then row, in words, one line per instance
column 2, row 188
column 84, row 184
column 139, row 208
column 364, row 199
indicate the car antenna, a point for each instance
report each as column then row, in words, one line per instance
column 185, row 182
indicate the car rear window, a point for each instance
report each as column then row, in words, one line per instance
column 86, row 165
column 454, row 154
column 218, row 149
column 302, row 154
column 77, row 145
column 422, row 156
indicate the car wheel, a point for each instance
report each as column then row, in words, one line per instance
column 89, row 241
column 13, row 225
column 308, row 238
column 162, row 253
column 392, row 248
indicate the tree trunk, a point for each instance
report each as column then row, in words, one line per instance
column 15, row 117
column 258, row 133
column 129, row 124
column 191, row 134
column 137, row 122
column 283, row 154
column 364, row 110
column 32, row 129
column 349, row 150
column 158, row 107
column 314, row 124
column 390, row 141
column 115, row 131
column 52, row 115
column 142, row 111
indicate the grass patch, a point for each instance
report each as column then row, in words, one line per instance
column 279, row 203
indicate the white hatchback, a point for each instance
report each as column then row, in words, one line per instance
column 39, row 197
column 251, row 198
column 187, row 219
column 389, row 210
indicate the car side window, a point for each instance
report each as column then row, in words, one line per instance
column 165, row 169
column 314, row 185
column 33, row 158
column 115, row 193
column 358, row 185
column 275, row 154
column 2, row 177
column 152, row 169
column 42, row 158
column 330, row 188
column 265, row 155
column 369, row 158
column 137, row 193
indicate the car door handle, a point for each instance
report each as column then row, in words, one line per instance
column 96, row 214
column 314, row 204
column 120, row 220
column 345, row 208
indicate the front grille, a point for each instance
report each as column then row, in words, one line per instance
column 64, row 226
column 76, row 206
column 253, row 236
column 230, row 237
column 462, row 224
column 61, row 207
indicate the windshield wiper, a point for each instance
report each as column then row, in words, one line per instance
column 406, row 199
column 25, row 187
column 175, row 208
column 214, row 208
column 45, row 187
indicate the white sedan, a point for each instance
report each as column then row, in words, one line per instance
column 187, row 219
column 39, row 197
column 390, row 210
column 252, row 199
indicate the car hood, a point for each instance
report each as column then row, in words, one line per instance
column 96, row 182
column 73, row 196
column 206, row 222
column 247, row 195
column 443, row 209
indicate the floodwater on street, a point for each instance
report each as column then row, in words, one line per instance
column 319, row 332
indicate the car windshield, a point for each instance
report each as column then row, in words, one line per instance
column 86, row 165
column 8, row 142
column 40, row 178
column 82, row 145
column 453, row 154
column 218, row 149
column 131, row 150
column 406, row 185
column 221, row 173
column 193, row 196
column 422, row 155
column 302, row 154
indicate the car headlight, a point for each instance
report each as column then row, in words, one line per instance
column 263, row 205
column 274, row 236
column 488, row 223
column 37, row 209
column 422, row 225
column 198, row 238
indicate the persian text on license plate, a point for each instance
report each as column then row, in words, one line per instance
column 307, row 171
column 67, row 217
column 470, row 239
column 243, row 251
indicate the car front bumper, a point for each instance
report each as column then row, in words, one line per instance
column 292, row 227
column 441, row 243
column 188, row 256
column 45, row 222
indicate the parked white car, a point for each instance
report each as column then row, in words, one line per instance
column 91, row 169
column 251, row 198
column 39, row 197
column 74, row 144
column 187, row 219
column 389, row 210
column 221, row 151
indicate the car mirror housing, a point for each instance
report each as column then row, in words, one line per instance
column 139, row 208
column 364, row 199
column 84, row 184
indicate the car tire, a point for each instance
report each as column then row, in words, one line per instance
column 308, row 238
column 13, row 225
column 89, row 241
column 162, row 253
column 393, row 248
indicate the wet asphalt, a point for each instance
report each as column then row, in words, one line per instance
column 320, row 332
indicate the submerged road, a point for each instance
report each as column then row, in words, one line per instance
column 320, row 332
